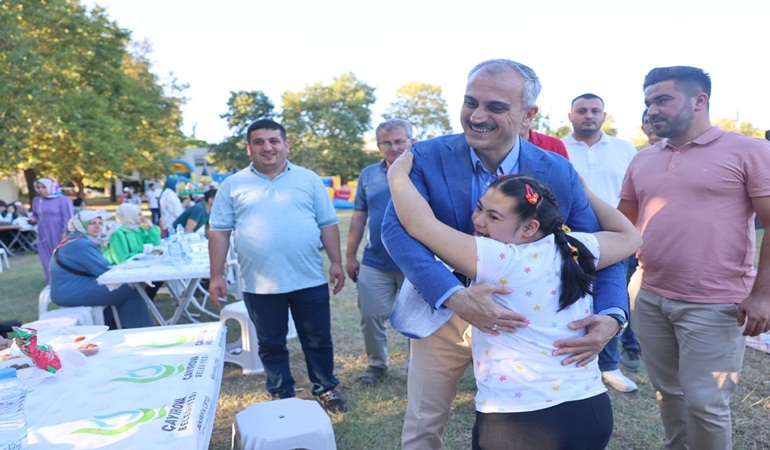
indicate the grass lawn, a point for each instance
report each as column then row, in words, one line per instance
column 376, row 412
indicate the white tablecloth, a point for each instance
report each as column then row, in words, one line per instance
column 150, row 268
column 147, row 388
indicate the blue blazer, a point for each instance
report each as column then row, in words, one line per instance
column 442, row 172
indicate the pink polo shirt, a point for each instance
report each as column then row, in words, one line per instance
column 696, row 216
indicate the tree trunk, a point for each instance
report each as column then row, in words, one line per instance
column 80, row 191
column 30, row 176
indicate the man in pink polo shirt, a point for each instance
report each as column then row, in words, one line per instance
column 693, row 197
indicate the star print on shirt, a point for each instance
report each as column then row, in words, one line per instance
column 553, row 292
column 528, row 294
column 518, row 395
column 535, row 255
column 555, row 387
column 503, row 378
column 503, row 281
column 527, row 270
column 554, row 325
column 536, row 308
column 502, row 255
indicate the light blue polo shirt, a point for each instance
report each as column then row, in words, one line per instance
column 277, row 226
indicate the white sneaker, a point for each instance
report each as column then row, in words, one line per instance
column 618, row 381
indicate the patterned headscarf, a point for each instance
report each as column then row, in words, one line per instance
column 54, row 190
column 78, row 224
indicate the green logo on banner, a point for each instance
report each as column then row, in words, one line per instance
column 177, row 340
column 149, row 374
column 121, row 421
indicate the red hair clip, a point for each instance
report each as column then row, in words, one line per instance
column 532, row 196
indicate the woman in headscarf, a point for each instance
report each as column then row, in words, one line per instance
column 78, row 262
column 170, row 205
column 50, row 211
column 128, row 236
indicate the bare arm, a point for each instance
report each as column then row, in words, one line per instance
column 754, row 311
column 618, row 239
column 630, row 210
column 189, row 227
column 330, row 237
column 219, row 244
column 356, row 233
column 454, row 247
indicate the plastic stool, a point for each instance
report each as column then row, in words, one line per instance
column 85, row 315
column 245, row 351
column 283, row 424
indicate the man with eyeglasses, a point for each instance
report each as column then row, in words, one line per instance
column 377, row 276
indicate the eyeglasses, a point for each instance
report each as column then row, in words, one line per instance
column 397, row 143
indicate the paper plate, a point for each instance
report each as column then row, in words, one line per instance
column 65, row 337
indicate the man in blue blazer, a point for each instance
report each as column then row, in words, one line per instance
column 452, row 173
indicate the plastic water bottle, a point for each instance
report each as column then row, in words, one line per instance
column 13, row 423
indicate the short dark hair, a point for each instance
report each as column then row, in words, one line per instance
column 211, row 193
column 265, row 124
column 690, row 80
column 587, row 96
column 644, row 115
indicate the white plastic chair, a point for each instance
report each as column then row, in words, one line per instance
column 4, row 259
column 85, row 315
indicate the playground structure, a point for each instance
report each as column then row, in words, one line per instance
column 183, row 173
column 343, row 197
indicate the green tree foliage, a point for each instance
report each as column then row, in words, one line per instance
column 421, row 105
column 608, row 127
column 75, row 102
column 740, row 127
column 243, row 108
column 563, row 131
column 326, row 125
column 542, row 124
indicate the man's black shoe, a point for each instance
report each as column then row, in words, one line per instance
column 333, row 402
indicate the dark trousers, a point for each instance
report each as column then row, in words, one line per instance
column 312, row 317
column 610, row 355
column 579, row 425
column 155, row 212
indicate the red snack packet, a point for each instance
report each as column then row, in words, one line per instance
column 42, row 355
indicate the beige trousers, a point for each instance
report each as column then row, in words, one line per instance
column 693, row 354
column 436, row 364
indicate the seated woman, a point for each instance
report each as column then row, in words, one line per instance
column 130, row 233
column 76, row 264
column 521, row 242
column 8, row 213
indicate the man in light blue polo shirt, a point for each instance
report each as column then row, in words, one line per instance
column 378, row 277
column 279, row 212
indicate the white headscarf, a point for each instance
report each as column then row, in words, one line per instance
column 53, row 187
column 127, row 216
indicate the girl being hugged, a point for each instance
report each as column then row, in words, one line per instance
column 526, row 397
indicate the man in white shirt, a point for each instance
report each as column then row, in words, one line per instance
column 153, row 197
column 601, row 160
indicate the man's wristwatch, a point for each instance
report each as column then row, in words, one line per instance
column 621, row 321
